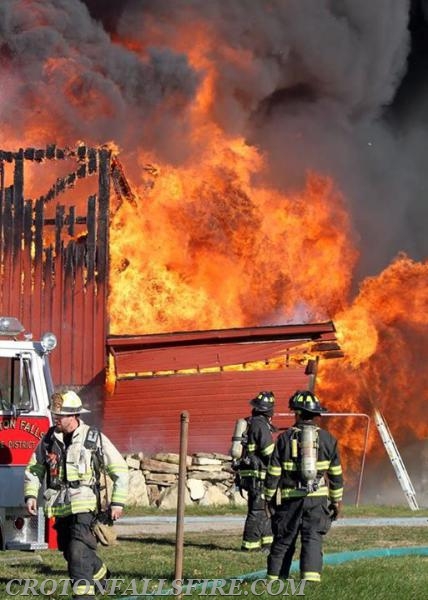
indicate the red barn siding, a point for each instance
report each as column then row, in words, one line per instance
column 144, row 414
column 144, row 409
column 201, row 357
column 54, row 261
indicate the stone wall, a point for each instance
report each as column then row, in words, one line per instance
column 154, row 480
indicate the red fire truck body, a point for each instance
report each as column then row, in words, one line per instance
column 25, row 389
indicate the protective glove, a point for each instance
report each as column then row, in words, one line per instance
column 103, row 529
column 270, row 507
column 105, row 533
column 335, row 509
column 267, row 509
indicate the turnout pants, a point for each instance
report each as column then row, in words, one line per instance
column 308, row 516
column 257, row 528
column 78, row 545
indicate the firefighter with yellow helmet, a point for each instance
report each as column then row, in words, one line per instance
column 306, row 472
column 69, row 458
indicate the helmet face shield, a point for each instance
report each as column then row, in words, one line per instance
column 306, row 401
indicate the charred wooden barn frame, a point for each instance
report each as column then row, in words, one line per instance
column 54, row 275
column 55, row 261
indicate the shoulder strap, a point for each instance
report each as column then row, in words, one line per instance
column 49, row 439
column 93, row 436
column 94, row 443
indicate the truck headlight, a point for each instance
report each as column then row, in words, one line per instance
column 48, row 341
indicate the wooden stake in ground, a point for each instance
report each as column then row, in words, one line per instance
column 179, row 535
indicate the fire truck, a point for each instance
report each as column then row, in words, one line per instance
column 25, row 388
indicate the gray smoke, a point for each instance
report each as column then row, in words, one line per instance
column 314, row 84
column 59, row 63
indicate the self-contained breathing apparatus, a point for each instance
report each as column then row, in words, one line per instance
column 247, row 465
column 242, row 463
column 304, row 451
column 304, row 441
column 239, row 439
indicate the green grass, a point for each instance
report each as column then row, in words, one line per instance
column 379, row 579
column 383, row 511
column 348, row 511
column 218, row 555
column 136, row 511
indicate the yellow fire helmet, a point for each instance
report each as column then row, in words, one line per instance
column 66, row 403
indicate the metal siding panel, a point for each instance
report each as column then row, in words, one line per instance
column 18, row 219
column 77, row 357
column 144, row 414
column 65, row 275
column 185, row 357
column 89, row 331
column 48, row 286
column 310, row 331
column 27, row 267
column 18, row 202
column 9, row 308
column 2, row 248
column 37, row 298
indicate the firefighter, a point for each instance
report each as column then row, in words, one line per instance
column 65, row 459
column 258, row 448
column 306, row 473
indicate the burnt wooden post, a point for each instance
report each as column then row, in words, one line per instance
column 102, row 256
column 312, row 370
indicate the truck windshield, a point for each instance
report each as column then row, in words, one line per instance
column 15, row 394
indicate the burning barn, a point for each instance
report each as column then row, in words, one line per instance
column 56, row 277
column 271, row 184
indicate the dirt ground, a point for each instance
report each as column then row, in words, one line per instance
column 164, row 525
column 129, row 526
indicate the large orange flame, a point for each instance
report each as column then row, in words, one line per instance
column 383, row 334
column 206, row 248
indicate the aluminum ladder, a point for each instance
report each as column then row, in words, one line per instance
column 396, row 461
